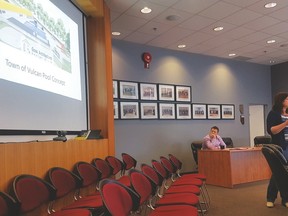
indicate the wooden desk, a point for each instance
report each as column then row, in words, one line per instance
column 233, row 166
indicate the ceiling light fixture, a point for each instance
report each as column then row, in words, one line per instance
column 270, row 5
column 272, row 61
column 271, row 41
column 181, row 46
column 219, row 28
column 116, row 33
column 232, row 54
column 146, row 10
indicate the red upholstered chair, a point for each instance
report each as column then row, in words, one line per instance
column 89, row 174
column 157, row 179
column 66, row 183
column 8, row 205
column 32, row 192
column 118, row 169
column 104, row 167
column 144, row 187
column 166, row 169
column 124, row 201
column 178, row 164
column 128, row 161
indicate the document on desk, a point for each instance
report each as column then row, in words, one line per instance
column 240, row 148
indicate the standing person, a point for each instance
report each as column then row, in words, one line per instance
column 277, row 127
column 213, row 140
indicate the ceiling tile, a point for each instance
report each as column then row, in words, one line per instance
column 261, row 23
column 197, row 22
column 193, row 6
column 241, row 17
column 280, row 14
column 128, row 23
column 220, row 10
column 242, row 3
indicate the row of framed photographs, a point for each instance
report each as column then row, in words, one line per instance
column 151, row 110
column 151, row 91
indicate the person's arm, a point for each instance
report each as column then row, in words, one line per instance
column 274, row 123
column 222, row 143
column 278, row 128
column 207, row 143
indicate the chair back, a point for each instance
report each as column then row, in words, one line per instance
column 142, row 185
column 8, row 205
column 31, row 192
column 128, row 161
column 64, row 181
column 116, row 164
column 89, row 173
column 118, row 199
column 104, row 167
column 228, row 141
column 278, row 165
column 167, row 164
column 195, row 146
column 175, row 161
column 259, row 140
column 152, row 174
column 160, row 169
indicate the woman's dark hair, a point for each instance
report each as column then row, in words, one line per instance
column 278, row 101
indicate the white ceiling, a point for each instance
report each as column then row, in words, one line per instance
column 247, row 26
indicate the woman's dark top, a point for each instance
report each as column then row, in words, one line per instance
column 274, row 118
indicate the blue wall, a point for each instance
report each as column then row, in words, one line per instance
column 213, row 80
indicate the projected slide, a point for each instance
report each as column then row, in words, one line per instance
column 39, row 47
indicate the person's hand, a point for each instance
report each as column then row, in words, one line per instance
column 212, row 135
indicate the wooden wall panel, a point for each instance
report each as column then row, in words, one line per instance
column 37, row 157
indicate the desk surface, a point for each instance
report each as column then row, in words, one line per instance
column 232, row 166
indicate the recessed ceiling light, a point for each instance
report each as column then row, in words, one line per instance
column 146, row 10
column 270, row 5
column 116, row 33
column 219, row 28
column 232, row 54
column 272, row 61
column 181, row 46
column 270, row 41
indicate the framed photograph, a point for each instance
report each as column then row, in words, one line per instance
column 128, row 90
column 228, row 111
column 148, row 91
column 129, row 110
column 166, row 92
column 116, row 110
column 214, row 111
column 183, row 93
column 199, row 111
column 183, row 111
column 115, row 89
column 166, row 111
column 149, row 110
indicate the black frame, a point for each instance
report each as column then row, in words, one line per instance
column 225, row 111
column 183, row 117
column 134, row 103
column 134, row 87
column 213, row 115
column 186, row 89
column 168, row 86
column 152, row 85
column 149, row 117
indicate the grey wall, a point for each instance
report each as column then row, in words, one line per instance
column 279, row 78
column 213, row 81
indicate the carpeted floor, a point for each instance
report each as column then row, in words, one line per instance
column 245, row 200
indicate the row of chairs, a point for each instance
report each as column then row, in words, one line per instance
column 29, row 192
column 159, row 188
